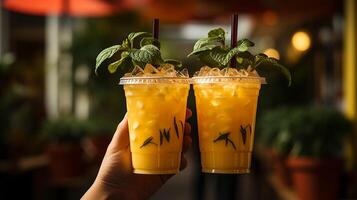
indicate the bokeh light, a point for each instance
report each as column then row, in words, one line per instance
column 301, row 41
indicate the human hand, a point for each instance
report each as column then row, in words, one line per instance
column 116, row 180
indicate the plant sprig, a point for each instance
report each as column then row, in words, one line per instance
column 148, row 53
column 213, row 52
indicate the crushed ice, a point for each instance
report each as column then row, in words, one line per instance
column 208, row 71
column 166, row 70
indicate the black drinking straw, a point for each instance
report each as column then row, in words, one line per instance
column 234, row 31
column 155, row 31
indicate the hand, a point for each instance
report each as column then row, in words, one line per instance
column 115, row 179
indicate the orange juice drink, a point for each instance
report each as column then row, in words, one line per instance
column 156, row 108
column 226, row 109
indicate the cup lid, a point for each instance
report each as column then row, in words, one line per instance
column 217, row 79
column 153, row 80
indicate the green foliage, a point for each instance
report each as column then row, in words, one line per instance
column 213, row 52
column 305, row 131
column 149, row 53
column 65, row 130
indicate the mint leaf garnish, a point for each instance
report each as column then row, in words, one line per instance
column 105, row 54
column 132, row 36
column 213, row 52
column 218, row 32
column 148, row 53
column 149, row 40
column 173, row 62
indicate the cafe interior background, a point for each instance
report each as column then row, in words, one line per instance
column 57, row 116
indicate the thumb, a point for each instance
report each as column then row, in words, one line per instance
column 120, row 138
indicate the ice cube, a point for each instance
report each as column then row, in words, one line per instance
column 150, row 70
column 136, row 125
column 137, row 71
column 254, row 73
column 215, row 72
column 128, row 74
column 232, row 72
column 183, row 73
column 166, row 67
column 224, row 71
column 204, row 71
column 140, row 104
column 243, row 72
column 196, row 73
column 215, row 102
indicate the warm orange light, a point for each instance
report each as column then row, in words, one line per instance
column 272, row 53
column 301, row 41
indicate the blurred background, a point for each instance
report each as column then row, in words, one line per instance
column 57, row 117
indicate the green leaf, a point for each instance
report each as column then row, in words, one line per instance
column 244, row 44
column 203, row 48
column 173, row 62
column 214, row 57
column 218, row 32
column 244, row 59
column 149, row 40
column 126, row 44
column 105, row 54
column 272, row 62
column 132, row 36
column 218, row 41
column 147, row 54
column 119, row 63
column 219, row 55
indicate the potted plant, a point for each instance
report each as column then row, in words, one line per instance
column 98, row 137
column 64, row 149
column 315, row 135
column 275, row 142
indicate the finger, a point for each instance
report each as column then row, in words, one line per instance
column 188, row 113
column 183, row 164
column 187, row 129
column 187, row 141
column 120, row 138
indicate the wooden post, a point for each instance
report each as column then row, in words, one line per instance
column 51, row 66
column 350, row 73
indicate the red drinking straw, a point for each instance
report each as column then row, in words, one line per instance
column 234, row 32
column 155, row 31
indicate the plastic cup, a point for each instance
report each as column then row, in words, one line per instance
column 226, row 109
column 156, row 108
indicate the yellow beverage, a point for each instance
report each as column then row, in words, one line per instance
column 156, row 115
column 226, row 109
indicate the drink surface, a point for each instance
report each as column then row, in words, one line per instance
column 226, row 120
column 156, row 117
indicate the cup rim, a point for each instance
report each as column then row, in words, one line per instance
column 153, row 80
column 215, row 79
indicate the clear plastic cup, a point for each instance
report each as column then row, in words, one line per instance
column 226, row 109
column 156, row 108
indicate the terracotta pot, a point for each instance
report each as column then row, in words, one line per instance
column 315, row 179
column 277, row 163
column 281, row 169
column 66, row 161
